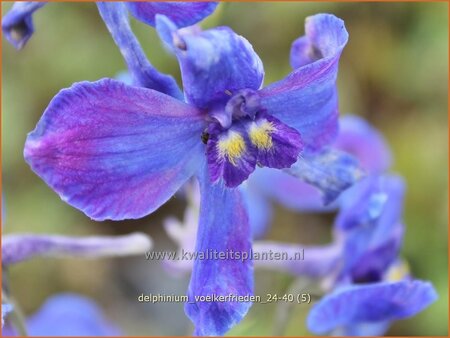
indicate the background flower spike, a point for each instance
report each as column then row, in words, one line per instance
column 18, row 248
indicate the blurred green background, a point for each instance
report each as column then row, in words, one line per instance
column 394, row 72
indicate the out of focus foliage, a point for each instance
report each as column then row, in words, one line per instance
column 393, row 72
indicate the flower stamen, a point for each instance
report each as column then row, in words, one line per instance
column 260, row 135
column 232, row 147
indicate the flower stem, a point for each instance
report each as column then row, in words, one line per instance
column 16, row 316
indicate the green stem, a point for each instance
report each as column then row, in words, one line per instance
column 284, row 310
column 16, row 316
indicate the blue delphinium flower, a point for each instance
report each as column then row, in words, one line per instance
column 67, row 314
column 116, row 151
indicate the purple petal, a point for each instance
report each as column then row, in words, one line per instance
column 17, row 24
column 115, row 16
column 19, row 248
column 325, row 36
column 307, row 99
column 230, row 157
column 373, row 231
column 318, row 260
column 69, row 314
column 214, row 63
column 181, row 13
column 370, row 303
column 277, row 145
column 366, row 261
column 115, row 151
column 223, row 228
column 359, row 138
column 373, row 199
column 331, row 171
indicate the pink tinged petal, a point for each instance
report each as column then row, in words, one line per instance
column 115, row 151
column 223, row 228
column 18, row 248
column 307, row 98
column 181, row 13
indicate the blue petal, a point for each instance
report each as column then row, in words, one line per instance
column 223, row 228
column 259, row 210
column 331, row 171
column 214, row 63
column 18, row 248
column 370, row 303
column 363, row 330
column 115, row 151
column 17, row 24
column 6, row 308
column 115, row 16
column 370, row 217
column 376, row 200
column 362, row 204
column 69, row 314
column 367, row 144
column 307, row 98
column 181, row 13
column 366, row 260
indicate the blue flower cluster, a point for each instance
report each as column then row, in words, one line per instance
column 117, row 150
